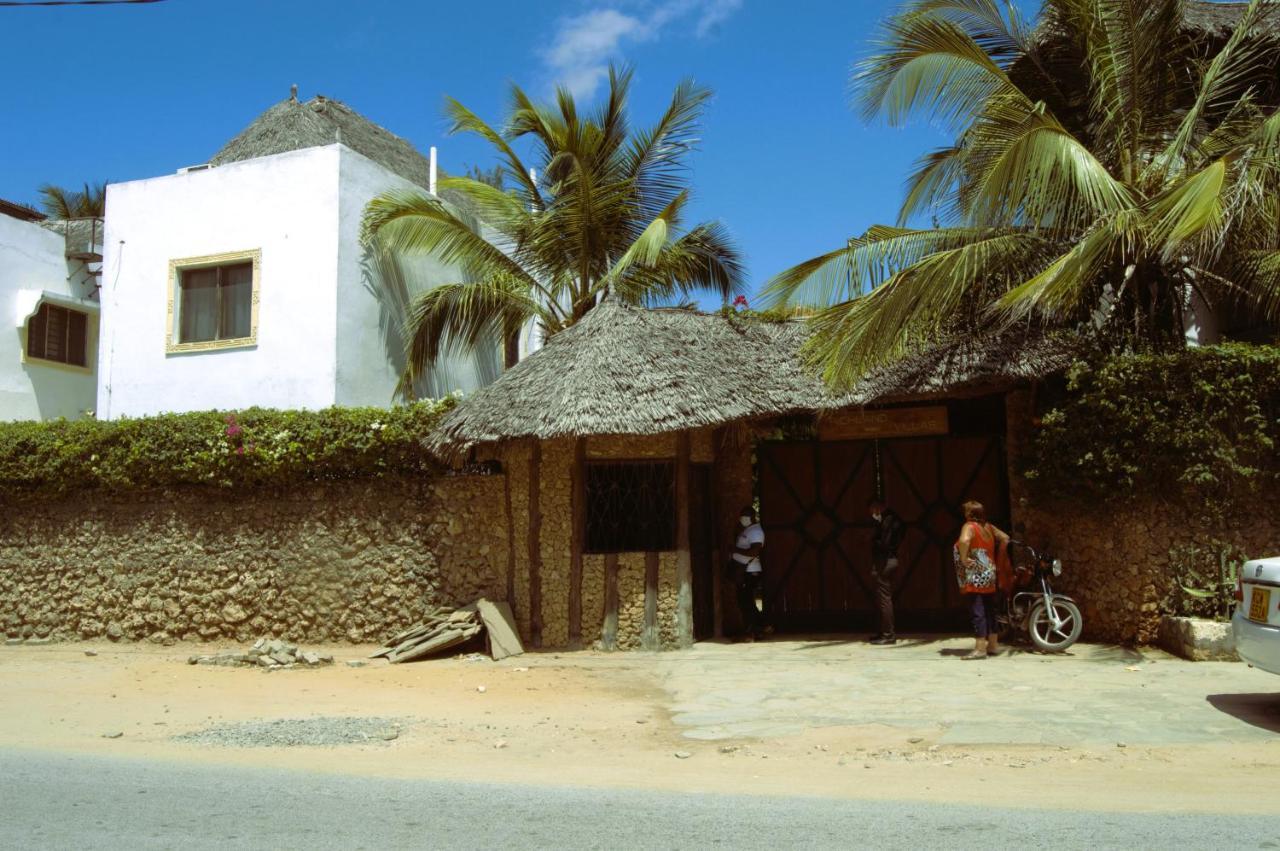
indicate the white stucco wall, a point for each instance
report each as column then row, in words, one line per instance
column 32, row 261
column 369, row 361
column 287, row 207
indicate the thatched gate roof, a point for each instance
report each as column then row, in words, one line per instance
column 292, row 125
column 628, row 370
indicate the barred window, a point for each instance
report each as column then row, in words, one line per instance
column 57, row 334
column 631, row 506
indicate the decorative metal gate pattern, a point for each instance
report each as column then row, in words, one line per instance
column 813, row 498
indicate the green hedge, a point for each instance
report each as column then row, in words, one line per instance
column 244, row 449
column 1199, row 423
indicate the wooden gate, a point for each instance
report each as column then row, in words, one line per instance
column 813, row 506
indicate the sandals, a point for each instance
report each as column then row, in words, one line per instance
column 974, row 654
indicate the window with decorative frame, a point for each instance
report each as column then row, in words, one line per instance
column 59, row 335
column 213, row 302
column 631, row 506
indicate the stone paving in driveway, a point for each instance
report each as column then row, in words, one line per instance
column 1094, row 695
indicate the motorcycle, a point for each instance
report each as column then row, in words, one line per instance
column 1052, row 621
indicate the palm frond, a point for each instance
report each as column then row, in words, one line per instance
column 1232, row 69
column 937, row 296
column 865, row 263
column 463, row 120
column 927, row 63
column 1031, row 171
column 413, row 222
column 1188, row 207
column 458, row 317
column 1058, row 290
column 704, row 259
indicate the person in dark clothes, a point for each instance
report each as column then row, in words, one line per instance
column 746, row 558
column 886, row 538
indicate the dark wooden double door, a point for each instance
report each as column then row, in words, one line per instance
column 813, row 506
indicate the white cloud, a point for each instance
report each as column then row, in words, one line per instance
column 714, row 13
column 585, row 44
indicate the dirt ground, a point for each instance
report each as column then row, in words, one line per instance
column 625, row 720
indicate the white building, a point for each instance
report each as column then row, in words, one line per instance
column 244, row 283
column 48, row 347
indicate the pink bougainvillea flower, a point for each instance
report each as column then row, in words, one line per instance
column 740, row 301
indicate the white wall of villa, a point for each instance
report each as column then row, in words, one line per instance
column 323, row 333
column 34, row 270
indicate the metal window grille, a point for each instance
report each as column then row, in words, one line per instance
column 631, row 506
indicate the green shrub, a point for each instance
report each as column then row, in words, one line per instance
column 256, row 447
column 1199, row 424
column 1203, row 579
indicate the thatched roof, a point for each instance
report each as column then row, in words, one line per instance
column 628, row 370
column 292, row 125
column 1215, row 18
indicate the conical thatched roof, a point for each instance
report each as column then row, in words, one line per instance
column 1218, row 18
column 292, row 125
column 628, row 370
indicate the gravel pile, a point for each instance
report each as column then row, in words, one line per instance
column 297, row 732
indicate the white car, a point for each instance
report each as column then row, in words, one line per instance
column 1256, row 623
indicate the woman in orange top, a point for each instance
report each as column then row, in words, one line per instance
column 976, row 558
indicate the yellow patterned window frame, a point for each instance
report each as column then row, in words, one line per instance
column 177, row 267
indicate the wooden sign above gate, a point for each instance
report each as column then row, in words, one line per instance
column 890, row 422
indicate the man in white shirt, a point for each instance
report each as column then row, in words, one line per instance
column 746, row 557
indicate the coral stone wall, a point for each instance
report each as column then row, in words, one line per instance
column 555, row 542
column 1117, row 564
column 342, row 561
column 557, row 539
column 1117, row 559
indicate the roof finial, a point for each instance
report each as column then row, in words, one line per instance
column 293, row 93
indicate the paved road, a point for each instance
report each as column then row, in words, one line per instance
column 64, row 801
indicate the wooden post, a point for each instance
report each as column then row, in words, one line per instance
column 511, row 534
column 718, row 554
column 535, row 545
column 609, row 635
column 579, row 512
column 649, row 637
column 684, row 569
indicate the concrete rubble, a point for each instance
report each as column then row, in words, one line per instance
column 268, row 653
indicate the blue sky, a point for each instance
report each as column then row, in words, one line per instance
column 126, row 92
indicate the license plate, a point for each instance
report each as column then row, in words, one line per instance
column 1260, row 604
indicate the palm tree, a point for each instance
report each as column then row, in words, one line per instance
column 61, row 203
column 596, row 212
column 1108, row 165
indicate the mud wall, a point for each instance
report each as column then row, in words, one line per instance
column 344, row 561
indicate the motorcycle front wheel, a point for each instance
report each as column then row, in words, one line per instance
column 1047, row 637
